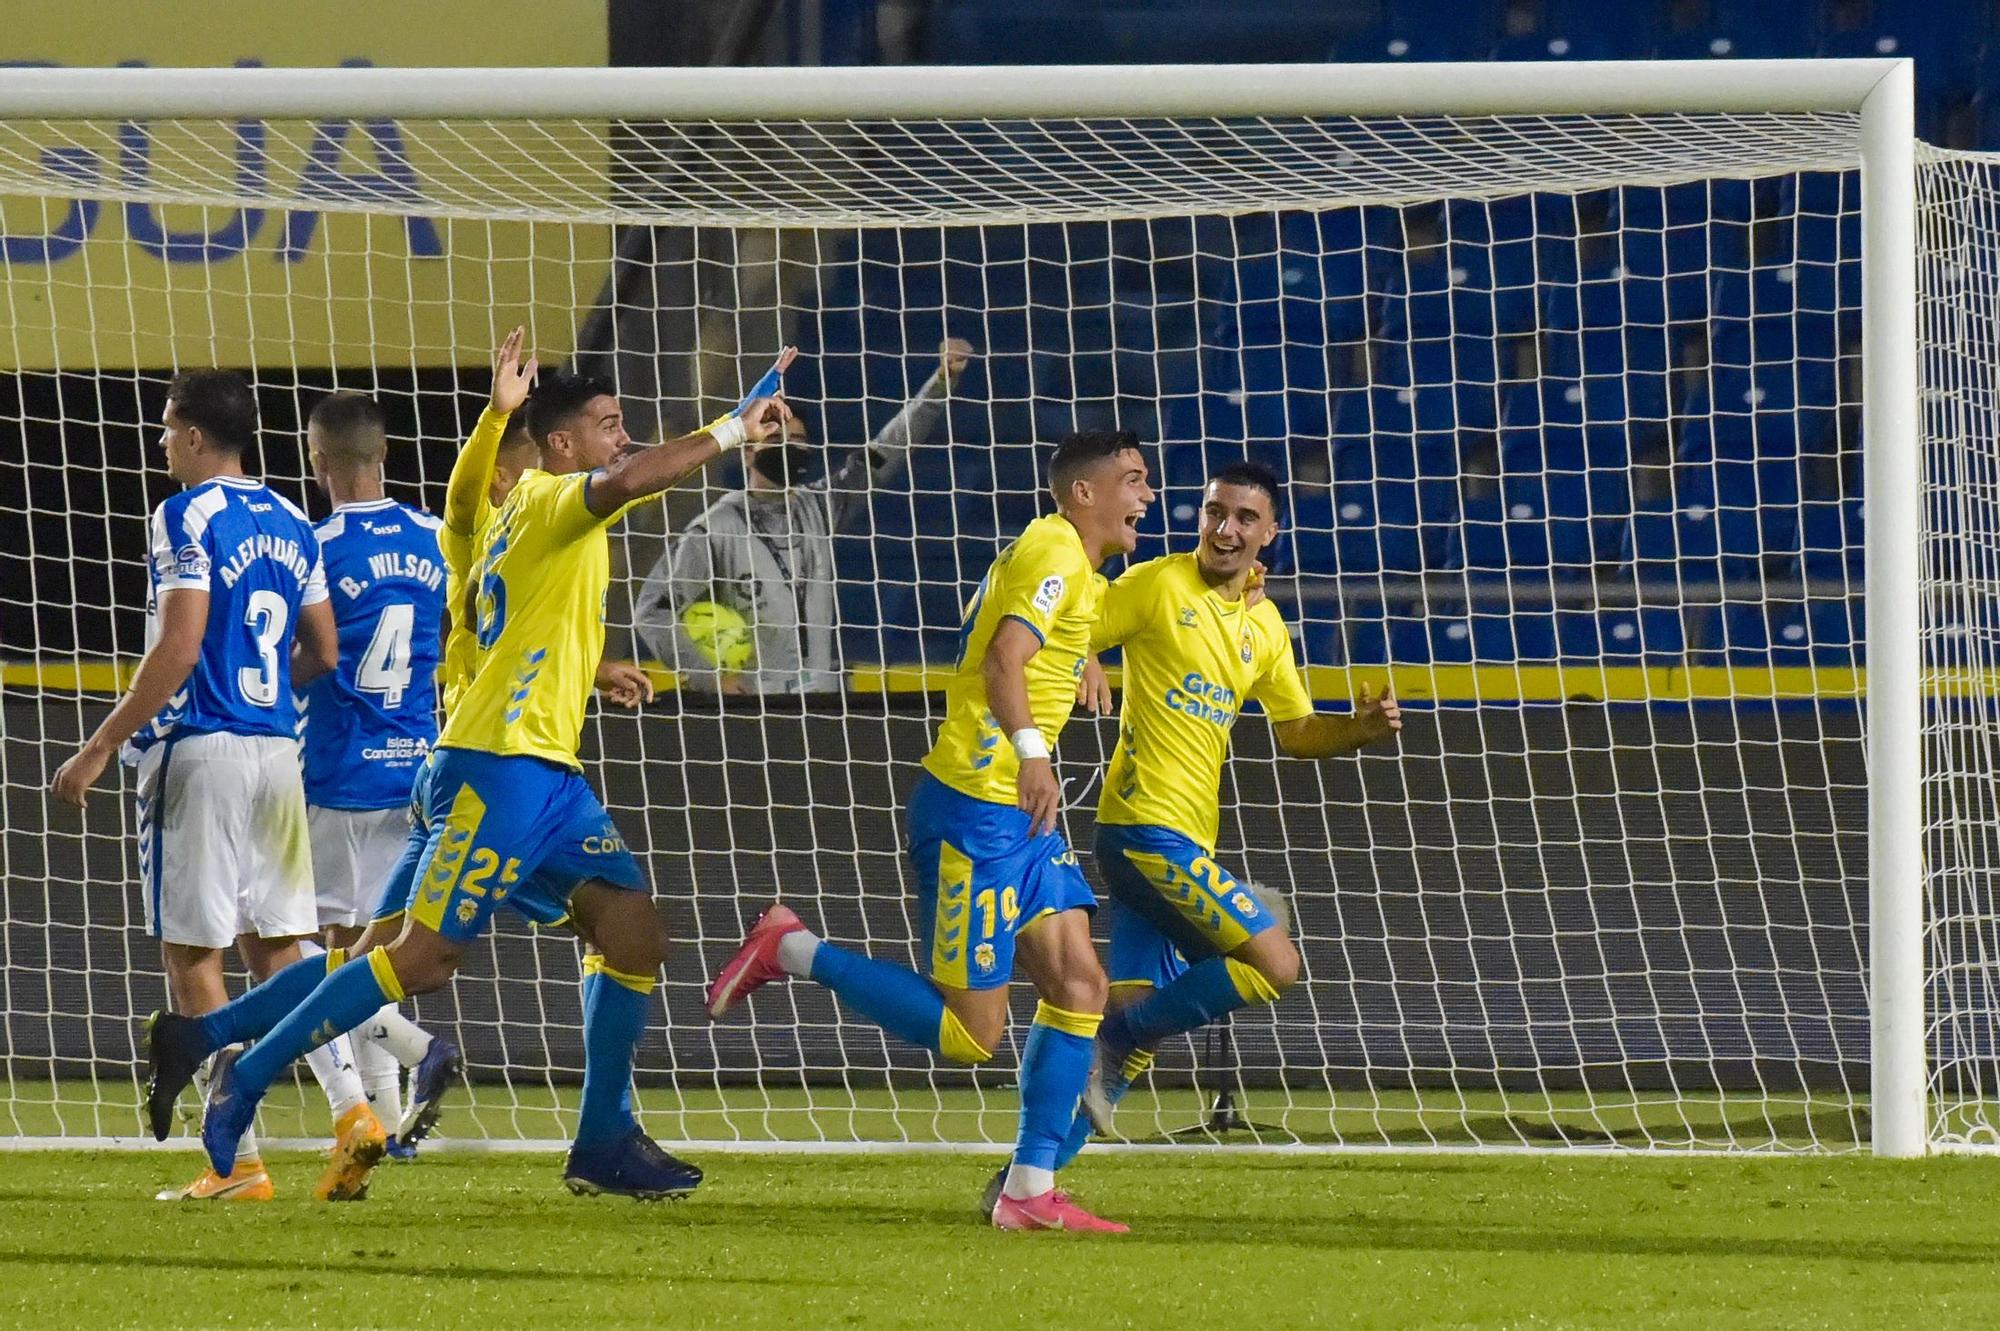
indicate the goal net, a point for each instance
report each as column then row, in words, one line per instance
column 1568, row 413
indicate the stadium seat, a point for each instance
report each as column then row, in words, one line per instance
column 1836, row 627
column 1512, row 634
column 1650, row 633
column 1830, row 541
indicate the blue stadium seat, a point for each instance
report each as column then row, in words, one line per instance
column 1649, row 633
column 1564, row 486
column 1837, row 630
column 1513, row 635
column 1679, row 235
column 1356, row 634
column 1830, row 541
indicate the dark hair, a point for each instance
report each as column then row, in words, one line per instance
column 558, row 397
column 220, row 404
column 351, row 426
column 517, row 434
column 1079, row 452
column 1255, row 475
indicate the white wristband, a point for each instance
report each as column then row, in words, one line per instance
column 729, row 433
column 1028, row 743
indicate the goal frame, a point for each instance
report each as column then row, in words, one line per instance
column 1880, row 91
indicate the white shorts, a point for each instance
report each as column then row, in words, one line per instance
column 222, row 840
column 353, row 851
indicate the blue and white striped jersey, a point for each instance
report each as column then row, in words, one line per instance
column 370, row 723
column 255, row 555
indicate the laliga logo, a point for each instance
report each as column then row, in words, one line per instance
column 319, row 179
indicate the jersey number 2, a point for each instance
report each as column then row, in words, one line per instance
column 265, row 616
column 385, row 666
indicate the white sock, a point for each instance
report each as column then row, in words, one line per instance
column 381, row 1075
column 406, row 1041
column 333, row 1064
column 246, row 1145
column 795, row 953
column 1025, row 1181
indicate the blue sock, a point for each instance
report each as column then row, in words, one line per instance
column 1198, row 997
column 894, row 997
column 614, row 1016
column 339, row 1003
column 262, row 1006
column 1079, row 1131
column 1055, row 1065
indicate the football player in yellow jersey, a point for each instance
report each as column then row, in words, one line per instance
column 1189, row 942
column 504, row 796
column 993, row 871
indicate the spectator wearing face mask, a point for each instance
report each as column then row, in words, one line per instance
column 766, row 552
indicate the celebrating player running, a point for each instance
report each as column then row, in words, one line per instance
column 993, row 869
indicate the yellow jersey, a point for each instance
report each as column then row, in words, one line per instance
column 538, row 590
column 461, row 548
column 1191, row 660
column 1044, row 579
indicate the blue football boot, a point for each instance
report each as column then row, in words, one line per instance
column 633, row 1166
column 229, row 1114
column 441, row 1068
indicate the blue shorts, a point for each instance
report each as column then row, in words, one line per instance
column 490, row 830
column 1171, row 904
column 982, row 878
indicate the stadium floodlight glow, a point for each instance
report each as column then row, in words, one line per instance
column 1555, row 921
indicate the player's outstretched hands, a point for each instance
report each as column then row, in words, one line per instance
column 764, row 419
column 1093, row 690
column 74, row 778
column 1253, row 587
column 511, row 378
column 1039, row 795
column 623, row 683
column 1379, row 717
column 954, row 354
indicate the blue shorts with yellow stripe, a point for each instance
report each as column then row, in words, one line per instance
column 982, row 877
column 1171, row 904
column 491, row 830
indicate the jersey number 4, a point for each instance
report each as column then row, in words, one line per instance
column 385, row 667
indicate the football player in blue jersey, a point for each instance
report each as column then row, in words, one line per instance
column 237, row 618
column 369, row 725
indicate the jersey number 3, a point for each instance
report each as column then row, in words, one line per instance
column 265, row 616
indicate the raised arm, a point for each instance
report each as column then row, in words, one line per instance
column 1321, row 735
column 644, row 472
column 1005, row 669
column 472, row 470
column 162, row 671
column 891, row 445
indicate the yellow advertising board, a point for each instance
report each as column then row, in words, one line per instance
column 100, row 269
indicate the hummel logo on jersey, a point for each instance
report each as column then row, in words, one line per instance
column 1187, row 616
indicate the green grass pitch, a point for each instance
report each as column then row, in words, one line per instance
column 790, row 1241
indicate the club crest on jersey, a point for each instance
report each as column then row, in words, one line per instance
column 1187, row 616
column 1246, row 653
column 982, row 956
column 1050, row 593
column 466, row 910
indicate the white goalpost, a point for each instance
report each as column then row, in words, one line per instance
column 1577, row 377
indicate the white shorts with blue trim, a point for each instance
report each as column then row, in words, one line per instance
column 353, row 853
column 223, row 849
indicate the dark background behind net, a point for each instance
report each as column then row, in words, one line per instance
column 1543, row 896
